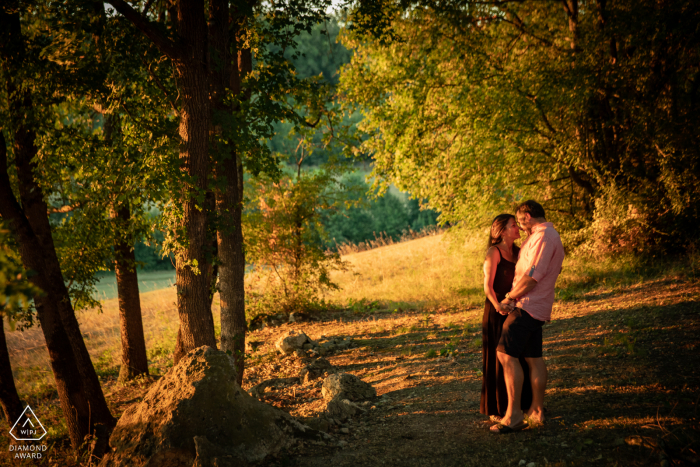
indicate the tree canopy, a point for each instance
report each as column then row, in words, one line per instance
column 589, row 107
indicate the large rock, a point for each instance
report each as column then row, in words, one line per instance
column 198, row 416
column 319, row 368
column 291, row 341
column 347, row 386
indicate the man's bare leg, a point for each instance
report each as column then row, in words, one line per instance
column 538, row 379
column 513, row 373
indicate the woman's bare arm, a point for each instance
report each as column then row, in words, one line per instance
column 490, row 265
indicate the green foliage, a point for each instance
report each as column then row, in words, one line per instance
column 285, row 239
column 16, row 291
column 370, row 217
column 474, row 106
column 363, row 306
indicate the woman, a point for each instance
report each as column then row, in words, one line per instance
column 499, row 269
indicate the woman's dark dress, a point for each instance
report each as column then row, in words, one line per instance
column 494, row 397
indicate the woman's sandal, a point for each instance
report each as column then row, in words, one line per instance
column 501, row 429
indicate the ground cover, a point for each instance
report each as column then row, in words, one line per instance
column 621, row 349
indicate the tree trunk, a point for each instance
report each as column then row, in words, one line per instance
column 85, row 407
column 134, row 360
column 193, row 271
column 224, row 73
column 72, row 396
column 11, row 405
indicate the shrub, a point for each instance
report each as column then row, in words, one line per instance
column 285, row 241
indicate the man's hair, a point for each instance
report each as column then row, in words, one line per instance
column 531, row 207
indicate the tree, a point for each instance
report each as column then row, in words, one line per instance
column 79, row 391
column 191, row 61
column 475, row 105
column 232, row 108
column 286, row 239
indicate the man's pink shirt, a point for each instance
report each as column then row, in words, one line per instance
column 541, row 256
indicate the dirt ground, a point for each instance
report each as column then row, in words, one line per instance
column 623, row 385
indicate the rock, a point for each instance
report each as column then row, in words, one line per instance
column 258, row 390
column 345, row 431
column 320, row 424
column 347, row 386
column 291, row 341
column 316, row 369
column 342, row 390
column 197, row 415
column 343, row 408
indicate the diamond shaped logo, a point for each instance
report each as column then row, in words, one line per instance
column 28, row 427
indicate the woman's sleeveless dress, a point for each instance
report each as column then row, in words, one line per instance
column 494, row 396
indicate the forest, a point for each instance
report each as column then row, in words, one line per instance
column 251, row 147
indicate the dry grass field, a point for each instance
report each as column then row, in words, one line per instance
column 622, row 351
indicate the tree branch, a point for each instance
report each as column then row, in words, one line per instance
column 164, row 44
column 160, row 86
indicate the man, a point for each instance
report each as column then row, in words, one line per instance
column 530, row 301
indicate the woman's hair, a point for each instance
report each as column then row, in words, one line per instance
column 497, row 227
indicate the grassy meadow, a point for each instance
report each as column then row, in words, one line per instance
column 621, row 349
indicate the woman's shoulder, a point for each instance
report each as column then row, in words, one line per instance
column 493, row 253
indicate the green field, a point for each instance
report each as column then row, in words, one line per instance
column 106, row 288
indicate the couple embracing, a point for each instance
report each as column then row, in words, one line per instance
column 519, row 286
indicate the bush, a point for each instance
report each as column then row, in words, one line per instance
column 286, row 241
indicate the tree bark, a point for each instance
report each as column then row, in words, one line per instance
column 11, row 405
column 134, row 360
column 225, row 73
column 72, row 396
column 84, row 405
column 193, row 271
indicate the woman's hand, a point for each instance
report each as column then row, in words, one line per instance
column 503, row 308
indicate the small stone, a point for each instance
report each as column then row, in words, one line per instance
column 348, row 387
column 522, row 462
column 531, row 464
column 345, row 431
column 291, row 341
column 342, row 444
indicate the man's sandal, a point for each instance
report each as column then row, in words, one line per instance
column 501, row 429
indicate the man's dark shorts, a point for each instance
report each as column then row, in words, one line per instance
column 521, row 335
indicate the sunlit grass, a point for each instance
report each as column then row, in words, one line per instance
column 440, row 270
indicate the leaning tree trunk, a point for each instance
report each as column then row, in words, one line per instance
column 84, row 404
column 11, row 405
column 72, row 396
column 134, row 360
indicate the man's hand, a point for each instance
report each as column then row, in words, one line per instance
column 506, row 306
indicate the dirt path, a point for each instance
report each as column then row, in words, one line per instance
column 623, row 388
